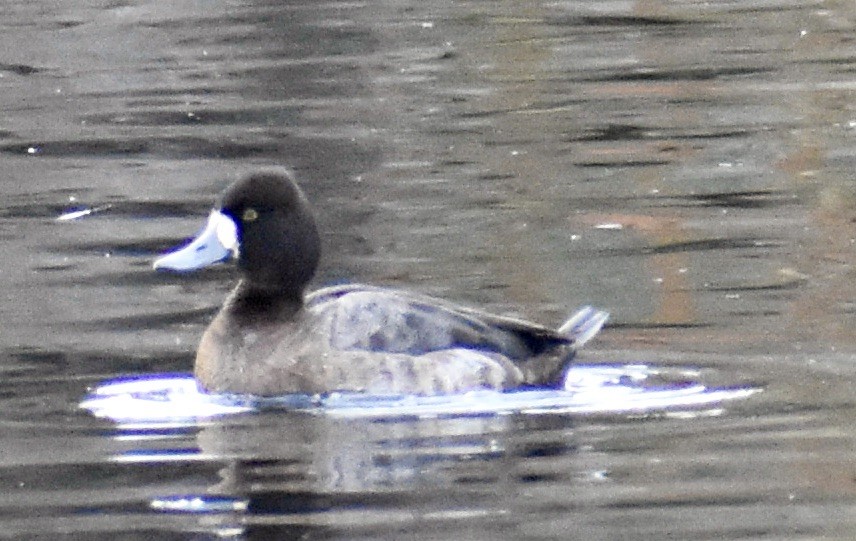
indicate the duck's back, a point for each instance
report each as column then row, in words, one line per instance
column 378, row 319
column 384, row 321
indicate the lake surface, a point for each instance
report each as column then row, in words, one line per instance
column 688, row 166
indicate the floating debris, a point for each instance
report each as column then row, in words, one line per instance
column 77, row 214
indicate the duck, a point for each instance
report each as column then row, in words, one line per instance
column 272, row 337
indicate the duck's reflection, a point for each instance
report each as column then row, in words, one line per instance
column 341, row 463
column 299, row 450
column 296, row 474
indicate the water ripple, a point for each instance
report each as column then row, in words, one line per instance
column 589, row 390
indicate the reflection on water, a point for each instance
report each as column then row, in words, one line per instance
column 339, row 462
column 684, row 165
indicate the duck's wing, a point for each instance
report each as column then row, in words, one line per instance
column 378, row 319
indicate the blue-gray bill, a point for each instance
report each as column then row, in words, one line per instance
column 217, row 242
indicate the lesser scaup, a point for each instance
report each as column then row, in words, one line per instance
column 271, row 338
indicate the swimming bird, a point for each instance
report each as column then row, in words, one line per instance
column 273, row 338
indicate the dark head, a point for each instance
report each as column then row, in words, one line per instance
column 265, row 222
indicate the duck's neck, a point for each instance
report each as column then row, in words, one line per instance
column 250, row 303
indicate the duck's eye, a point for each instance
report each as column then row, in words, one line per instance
column 250, row 215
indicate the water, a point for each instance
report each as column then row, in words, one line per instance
column 601, row 389
column 685, row 165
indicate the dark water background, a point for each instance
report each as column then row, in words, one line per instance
column 686, row 165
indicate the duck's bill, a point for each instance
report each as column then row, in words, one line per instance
column 217, row 242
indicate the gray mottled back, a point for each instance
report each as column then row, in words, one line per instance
column 376, row 319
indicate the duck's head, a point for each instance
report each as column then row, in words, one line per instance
column 265, row 222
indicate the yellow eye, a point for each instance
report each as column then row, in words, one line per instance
column 250, row 215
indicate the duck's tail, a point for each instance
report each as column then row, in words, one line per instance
column 583, row 325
